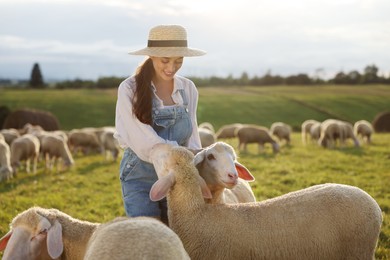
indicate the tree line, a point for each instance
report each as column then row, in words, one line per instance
column 354, row 77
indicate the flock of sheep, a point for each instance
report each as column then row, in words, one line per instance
column 328, row 133
column 32, row 143
column 213, row 214
column 212, row 211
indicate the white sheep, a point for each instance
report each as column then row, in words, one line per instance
column 328, row 221
column 39, row 234
column 282, row 131
column 135, row 238
column 331, row 131
column 109, row 144
column 54, row 148
column 347, row 129
column 315, row 131
column 255, row 134
column 228, row 131
column 10, row 135
column 305, row 129
column 6, row 171
column 364, row 130
column 207, row 137
column 207, row 125
column 25, row 148
column 226, row 178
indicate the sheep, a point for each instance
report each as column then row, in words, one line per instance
column 39, row 233
column 25, row 147
column 109, row 144
column 83, row 139
column 330, row 132
column 325, row 221
column 6, row 171
column 305, row 129
column 347, row 129
column 225, row 176
column 255, row 134
column 10, row 135
column 315, row 131
column 228, row 131
column 363, row 129
column 134, row 238
column 282, row 131
column 54, row 147
column 207, row 137
column 207, row 125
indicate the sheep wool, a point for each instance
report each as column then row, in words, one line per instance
column 327, row 221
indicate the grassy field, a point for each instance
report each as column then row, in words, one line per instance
column 91, row 189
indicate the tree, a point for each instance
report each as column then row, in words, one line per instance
column 36, row 79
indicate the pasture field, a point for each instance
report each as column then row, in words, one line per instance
column 91, row 189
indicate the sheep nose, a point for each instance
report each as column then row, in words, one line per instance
column 232, row 176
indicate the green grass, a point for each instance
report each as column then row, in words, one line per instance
column 91, row 190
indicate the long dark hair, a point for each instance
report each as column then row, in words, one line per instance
column 142, row 100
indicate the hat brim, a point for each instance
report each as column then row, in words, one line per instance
column 169, row 52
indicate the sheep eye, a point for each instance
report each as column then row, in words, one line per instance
column 210, row 157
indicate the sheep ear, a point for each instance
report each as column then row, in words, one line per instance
column 243, row 172
column 4, row 240
column 199, row 157
column 54, row 240
column 204, row 188
column 161, row 187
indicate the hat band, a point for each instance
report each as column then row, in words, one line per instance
column 167, row 43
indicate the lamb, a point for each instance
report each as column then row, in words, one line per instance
column 228, row 131
column 226, row 178
column 83, row 139
column 347, row 129
column 39, row 233
column 363, row 129
column 6, row 171
column 207, row 137
column 255, row 134
column 315, row 131
column 134, row 238
column 305, row 129
column 25, row 147
column 326, row 221
column 54, row 147
column 330, row 131
column 10, row 134
column 282, row 131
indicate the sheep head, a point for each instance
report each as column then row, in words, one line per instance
column 169, row 161
column 34, row 235
column 220, row 166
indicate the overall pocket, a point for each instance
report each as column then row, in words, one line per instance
column 128, row 164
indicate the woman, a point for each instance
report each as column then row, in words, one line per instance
column 155, row 106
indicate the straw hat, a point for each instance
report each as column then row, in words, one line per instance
column 168, row 41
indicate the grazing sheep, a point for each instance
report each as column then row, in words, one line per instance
column 228, row 131
column 255, row 134
column 363, row 129
column 305, row 129
column 282, row 131
column 25, row 148
column 18, row 118
column 10, row 135
column 135, row 238
column 109, row 143
column 6, row 171
column 328, row 221
column 224, row 175
column 207, row 125
column 207, row 137
column 315, row 131
column 40, row 234
column 347, row 129
column 331, row 130
column 54, row 147
column 84, row 140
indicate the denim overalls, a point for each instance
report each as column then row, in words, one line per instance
column 137, row 177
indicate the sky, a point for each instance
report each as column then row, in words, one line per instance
column 88, row 39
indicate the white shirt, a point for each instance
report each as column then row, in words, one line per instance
column 140, row 137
